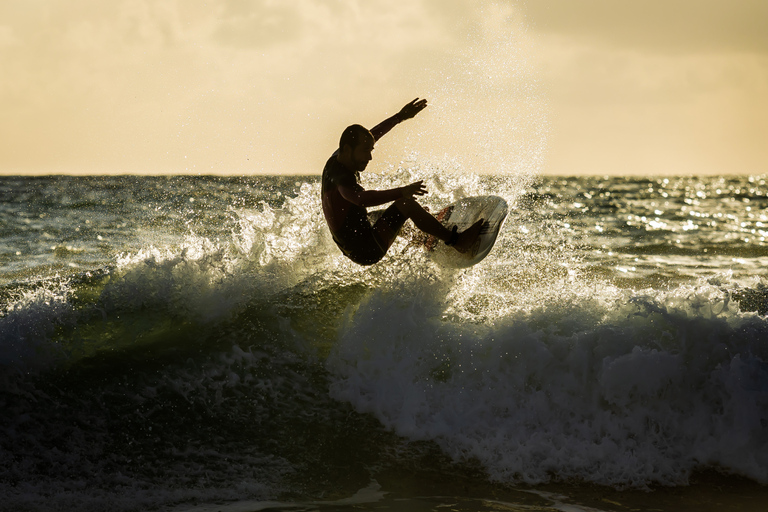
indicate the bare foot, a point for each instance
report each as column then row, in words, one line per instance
column 468, row 237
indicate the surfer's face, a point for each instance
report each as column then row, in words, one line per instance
column 362, row 154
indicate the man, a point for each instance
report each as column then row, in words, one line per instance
column 345, row 201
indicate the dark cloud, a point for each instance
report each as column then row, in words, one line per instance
column 664, row 26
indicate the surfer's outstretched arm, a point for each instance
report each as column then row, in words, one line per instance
column 407, row 112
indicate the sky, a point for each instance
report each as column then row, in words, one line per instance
column 567, row 87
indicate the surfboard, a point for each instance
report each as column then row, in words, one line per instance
column 463, row 214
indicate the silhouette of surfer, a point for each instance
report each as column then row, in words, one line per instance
column 345, row 202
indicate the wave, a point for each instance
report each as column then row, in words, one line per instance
column 196, row 366
column 629, row 390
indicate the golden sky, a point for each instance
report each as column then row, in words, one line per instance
column 266, row 86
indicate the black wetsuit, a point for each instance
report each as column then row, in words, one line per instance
column 356, row 238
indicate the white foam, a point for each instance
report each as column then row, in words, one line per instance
column 27, row 322
column 628, row 389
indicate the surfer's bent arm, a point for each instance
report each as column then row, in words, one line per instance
column 366, row 198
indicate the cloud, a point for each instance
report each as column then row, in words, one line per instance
column 664, row 26
column 591, row 74
column 258, row 24
column 8, row 37
column 239, row 86
column 621, row 110
column 654, row 86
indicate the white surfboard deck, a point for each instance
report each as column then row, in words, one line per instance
column 463, row 213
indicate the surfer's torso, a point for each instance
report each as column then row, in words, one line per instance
column 349, row 224
column 347, row 221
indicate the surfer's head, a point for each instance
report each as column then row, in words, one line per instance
column 356, row 147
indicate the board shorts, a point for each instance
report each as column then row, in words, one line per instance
column 358, row 240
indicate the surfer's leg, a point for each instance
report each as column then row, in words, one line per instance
column 430, row 225
column 422, row 218
column 468, row 237
column 388, row 225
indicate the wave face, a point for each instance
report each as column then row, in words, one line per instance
column 203, row 339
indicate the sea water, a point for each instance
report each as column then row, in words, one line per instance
column 199, row 343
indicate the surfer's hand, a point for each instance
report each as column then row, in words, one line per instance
column 416, row 188
column 411, row 109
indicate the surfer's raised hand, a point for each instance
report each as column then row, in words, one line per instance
column 416, row 188
column 411, row 109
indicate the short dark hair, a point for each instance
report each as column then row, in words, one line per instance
column 354, row 135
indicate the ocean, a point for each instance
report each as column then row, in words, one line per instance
column 200, row 344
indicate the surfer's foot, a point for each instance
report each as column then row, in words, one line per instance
column 468, row 237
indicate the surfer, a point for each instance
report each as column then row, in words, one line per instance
column 345, row 201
